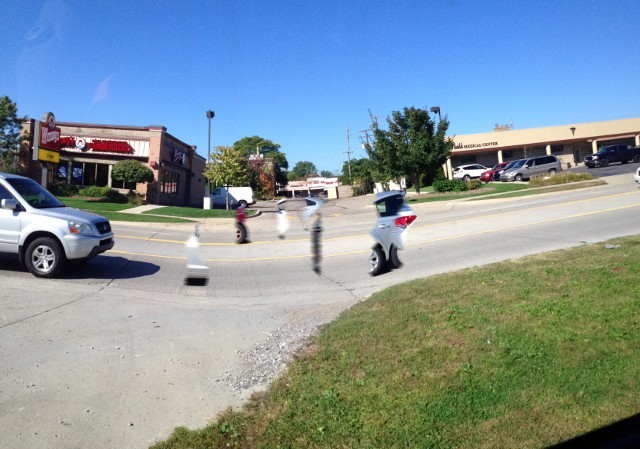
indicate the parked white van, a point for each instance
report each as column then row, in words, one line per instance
column 237, row 196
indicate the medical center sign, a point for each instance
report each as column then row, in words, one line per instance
column 49, row 140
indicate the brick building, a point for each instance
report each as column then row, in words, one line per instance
column 88, row 152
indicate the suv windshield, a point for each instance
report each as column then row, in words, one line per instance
column 34, row 194
column 519, row 163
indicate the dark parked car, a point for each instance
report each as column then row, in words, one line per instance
column 497, row 173
column 488, row 175
column 612, row 153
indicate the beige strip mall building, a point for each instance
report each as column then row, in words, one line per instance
column 569, row 143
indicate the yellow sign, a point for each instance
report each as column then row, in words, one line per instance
column 48, row 156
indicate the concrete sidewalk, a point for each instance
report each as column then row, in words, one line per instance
column 140, row 209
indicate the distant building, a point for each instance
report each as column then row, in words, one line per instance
column 88, row 152
column 570, row 143
column 326, row 187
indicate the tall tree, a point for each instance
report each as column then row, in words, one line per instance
column 412, row 146
column 326, row 174
column 10, row 126
column 362, row 179
column 227, row 167
column 276, row 164
column 303, row 170
column 250, row 145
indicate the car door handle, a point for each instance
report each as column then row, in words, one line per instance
column 382, row 226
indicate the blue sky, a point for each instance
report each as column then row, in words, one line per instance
column 299, row 72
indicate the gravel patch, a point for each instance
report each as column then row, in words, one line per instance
column 267, row 359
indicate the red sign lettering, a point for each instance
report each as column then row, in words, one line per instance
column 103, row 146
column 50, row 138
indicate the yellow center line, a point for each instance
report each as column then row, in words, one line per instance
column 348, row 253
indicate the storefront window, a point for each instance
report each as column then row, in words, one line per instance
column 77, row 173
column 102, row 175
column 89, row 175
column 169, row 182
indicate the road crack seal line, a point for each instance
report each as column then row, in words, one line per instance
column 341, row 287
column 51, row 309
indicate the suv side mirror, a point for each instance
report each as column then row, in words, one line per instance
column 9, row 204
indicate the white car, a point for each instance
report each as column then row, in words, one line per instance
column 390, row 231
column 467, row 172
column 637, row 175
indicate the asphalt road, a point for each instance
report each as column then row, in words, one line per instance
column 120, row 351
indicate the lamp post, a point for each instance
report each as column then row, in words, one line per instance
column 436, row 109
column 210, row 115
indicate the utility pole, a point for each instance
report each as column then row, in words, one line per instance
column 365, row 138
column 374, row 121
column 348, row 154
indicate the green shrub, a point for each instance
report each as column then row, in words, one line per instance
column 113, row 196
column 103, row 193
column 135, row 198
column 65, row 190
column 448, row 185
column 93, row 192
column 474, row 184
column 560, row 178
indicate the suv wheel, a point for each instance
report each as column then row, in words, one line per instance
column 518, row 177
column 44, row 257
column 604, row 162
column 552, row 171
column 466, row 178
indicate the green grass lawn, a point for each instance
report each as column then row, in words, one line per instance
column 95, row 206
column 557, row 183
column 166, row 214
column 113, row 211
column 519, row 354
column 194, row 212
column 486, row 189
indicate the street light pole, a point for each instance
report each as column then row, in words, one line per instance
column 435, row 109
column 210, row 115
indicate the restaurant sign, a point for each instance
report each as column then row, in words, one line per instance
column 49, row 141
column 96, row 145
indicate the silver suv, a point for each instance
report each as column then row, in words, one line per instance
column 45, row 233
column 529, row 167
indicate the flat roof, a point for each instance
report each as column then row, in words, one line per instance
column 558, row 134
